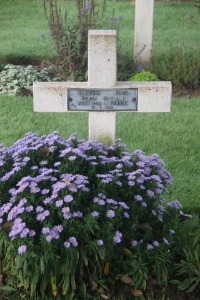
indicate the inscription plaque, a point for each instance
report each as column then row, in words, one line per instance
column 116, row 99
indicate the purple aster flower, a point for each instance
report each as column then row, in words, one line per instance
column 138, row 198
column 46, row 213
column 123, row 204
column 48, row 238
column 131, row 183
column 73, row 241
column 32, row 233
column 71, row 158
column 172, row 231
column 156, row 244
column 119, row 183
column 142, row 187
column 158, row 191
column 67, row 216
column 174, row 204
column 12, row 191
column 150, row 193
column 140, row 164
column 149, row 247
column 140, row 180
column 24, row 232
column 47, row 200
column 126, row 215
column 134, row 243
column 34, row 168
column 39, row 209
column 110, row 213
column 6, row 207
column 100, row 242
column 26, row 159
column 43, row 163
column 101, row 202
column 59, row 228
column 117, row 237
column 57, row 164
column 154, row 212
column 45, row 230
column 111, row 201
column 59, row 203
column 35, row 190
column 29, row 208
column 65, row 209
column 166, row 241
column 67, row 244
column 40, row 217
column 78, row 214
column 95, row 214
column 68, row 198
column 45, row 191
column 119, row 166
column 32, row 185
column 22, row 249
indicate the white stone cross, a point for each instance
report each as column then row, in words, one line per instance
column 102, row 91
column 144, row 10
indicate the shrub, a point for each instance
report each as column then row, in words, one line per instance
column 19, row 80
column 70, row 37
column 187, row 269
column 144, row 76
column 178, row 65
column 74, row 212
column 197, row 4
column 126, row 65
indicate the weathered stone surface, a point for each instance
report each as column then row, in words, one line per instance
column 53, row 96
column 144, row 10
column 152, row 96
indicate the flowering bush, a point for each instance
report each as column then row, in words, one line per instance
column 19, row 80
column 72, row 211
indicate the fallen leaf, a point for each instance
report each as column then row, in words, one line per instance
column 103, row 296
column 94, row 286
column 137, row 293
column 101, row 291
column 125, row 279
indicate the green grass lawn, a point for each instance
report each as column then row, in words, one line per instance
column 174, row 136
column 24, row 30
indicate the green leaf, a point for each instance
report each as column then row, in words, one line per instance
column 83, row 289
column 192, row 288
column 185, row 284
column 175, row 282
column 7, row 288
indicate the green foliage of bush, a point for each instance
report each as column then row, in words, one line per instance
column 197, row 4
column 70, row 33
column 19, row 80
column 144, row 76
column 178, row 65
column 187, row 270
column 74, row 213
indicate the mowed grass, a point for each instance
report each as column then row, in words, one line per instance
column 174, row 136
column 24, row 29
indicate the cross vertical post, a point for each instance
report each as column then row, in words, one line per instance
column 102, row 69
